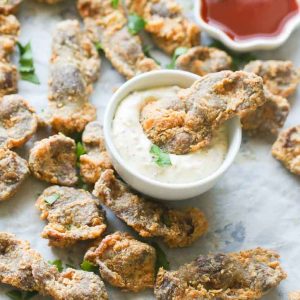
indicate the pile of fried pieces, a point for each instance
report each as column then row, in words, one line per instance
column 258, row 94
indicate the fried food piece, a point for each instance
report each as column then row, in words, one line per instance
column 124, row 262
column 54, row 160
column 73, row 217
column 16, row 259
column 267, row 118
column 96, row 160
column 13, row 171
column 18, row 121
column 287, row 149
column 204, row 60
column 9, row 6
column 280, row 77
column 8, row 79
column 244, row 275
column 294, row 296
column 166, row 23
column 187, row 123
column 51, row 2
column 108, row 25
column 178, row 228
column 75, row 65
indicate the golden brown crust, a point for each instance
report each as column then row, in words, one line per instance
column 294, row 296
column 9, row 6
column 287, row 149
column 165, row 21
column 178, row 228
column 124, row 262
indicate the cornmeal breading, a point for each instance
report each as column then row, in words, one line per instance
column 245, row 275
column 13, row 171
column 280, row 77
column 204, row 60
column 178, row 228
column 74, row 216
column 9, row 6
column 96, row 160
column 75, row 65
column 8, row 79
column 108, row 25
column 294, row 296
column 124, row 262
column 54, row 160
column 165, row 21
column 18, row 121
column 187, row 123
column 287, row 149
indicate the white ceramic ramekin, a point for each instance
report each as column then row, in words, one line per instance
column 251, row 44
column 149, row 186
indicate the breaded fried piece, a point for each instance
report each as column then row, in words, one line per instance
column 96, row 160
column 124, row 262
column 244, row 275
column 16, row 259
column 75, row 65
column 74, row 216
column 178, row 228
column 108, row 25
column 166, row 23
column 187, row 123
column 54, row 160
column 269, row 117
column 294, row 296
column 8, row 79
column 18, row 121
column 13, row 171
column 71, row 284
column 204, row 60
column 280, row 77
column 287, row 149
column 9, row 6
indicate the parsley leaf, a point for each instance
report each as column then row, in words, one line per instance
column 80, row 150
column 88, row 267
column 115, row 3
column 27, row 69
column 160, row 157
column 179, row 51
column 146, row 50
column 161, row 258
column 14, row 295
column 57, row 263
column 135, row 24
column 99, row 46
column 52, row 198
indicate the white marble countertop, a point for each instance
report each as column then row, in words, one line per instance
column 257, row 203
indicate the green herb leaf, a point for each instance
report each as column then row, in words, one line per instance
column 115, row 3
column 14, row 295
column 27, row 69
column 161, row 258
column 57, row 263
column 80, row 150
column 99, row 46
column 88, row 267
column 146, row 50
column 160, row 157
column 179, row 51
column 135, row 24
column 52, row 198
column 29, row 295
column 81, row 184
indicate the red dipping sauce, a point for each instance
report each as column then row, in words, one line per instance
column 244, row 19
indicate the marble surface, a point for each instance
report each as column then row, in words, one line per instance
column 257, row 202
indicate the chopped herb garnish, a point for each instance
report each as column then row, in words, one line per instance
column 81, row 184
column 161, row 258
column 115, row 3
column 179, row 51
column 135, row 24
column 146, row 50
column 14, row 295
column 57, row 263
column 88, row 267
column 80, row 150
column 99, row 46
column 52, row 198
column 29, row 295
column 27, row 69
column 160, row 157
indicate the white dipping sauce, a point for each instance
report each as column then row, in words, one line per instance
column 134, row 146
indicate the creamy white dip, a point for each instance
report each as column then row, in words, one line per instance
column 134, row 146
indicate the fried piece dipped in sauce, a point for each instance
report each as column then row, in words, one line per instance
column 178, row 228
column 124, row 262
column 287, row 149
column 294, row 296
column 269, row 117
column 96, row 159
column 246, row 275
column 165, row 21
column 75, row 65
column 204, row 60
column 73, row 216
column 187, row 123
column 18, row 121
column 280, row 77
column 9, row 6
column 54, row 160
column 108, row 25
column 13, row 171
